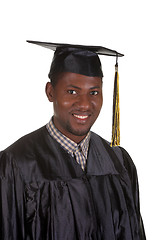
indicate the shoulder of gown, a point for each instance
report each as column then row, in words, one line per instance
column 24, row 148
column 118, row 154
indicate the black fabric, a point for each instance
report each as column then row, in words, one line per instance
column 45, row 195
column 75, row 60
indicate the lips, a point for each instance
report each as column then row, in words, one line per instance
column 81, row 117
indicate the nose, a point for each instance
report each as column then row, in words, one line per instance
column 83, row 102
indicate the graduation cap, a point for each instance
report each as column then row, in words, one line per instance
column 83, row 59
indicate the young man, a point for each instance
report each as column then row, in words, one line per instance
column 64, row 182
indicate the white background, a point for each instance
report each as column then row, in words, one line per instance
column 130, row 27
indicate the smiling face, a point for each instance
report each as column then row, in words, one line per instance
column 77, row 101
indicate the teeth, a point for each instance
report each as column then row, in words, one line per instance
column 81, row 117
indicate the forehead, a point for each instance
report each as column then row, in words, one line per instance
column 68, row 78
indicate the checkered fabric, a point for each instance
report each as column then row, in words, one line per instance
column 79, row 151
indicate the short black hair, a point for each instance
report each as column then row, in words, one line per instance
column 54, row 78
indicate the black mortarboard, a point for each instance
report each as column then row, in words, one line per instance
column 84, row 60
column 76, row 58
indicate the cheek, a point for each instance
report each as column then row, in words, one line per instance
column 98, row 104
column 62, row 105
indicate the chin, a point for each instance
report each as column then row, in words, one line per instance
column 80, row 132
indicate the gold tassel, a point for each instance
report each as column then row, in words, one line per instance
column 116, row 110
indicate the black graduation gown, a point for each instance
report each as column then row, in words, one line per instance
column 45, row 195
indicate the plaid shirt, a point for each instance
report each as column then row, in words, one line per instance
column 79, row 151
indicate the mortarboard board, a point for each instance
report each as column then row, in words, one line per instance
column 97, row 49
column 83, row 59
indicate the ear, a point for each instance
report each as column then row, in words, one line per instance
column 50, row 92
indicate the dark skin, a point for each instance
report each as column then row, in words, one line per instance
column 77, row 101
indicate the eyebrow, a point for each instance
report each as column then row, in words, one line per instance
column 73, row 86
column 95, row 87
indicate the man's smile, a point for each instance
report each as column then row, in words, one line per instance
column 83, row 117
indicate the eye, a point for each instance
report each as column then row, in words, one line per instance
column 72, row 92
column 94, row 93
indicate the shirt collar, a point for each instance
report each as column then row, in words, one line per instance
column 69, row 145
